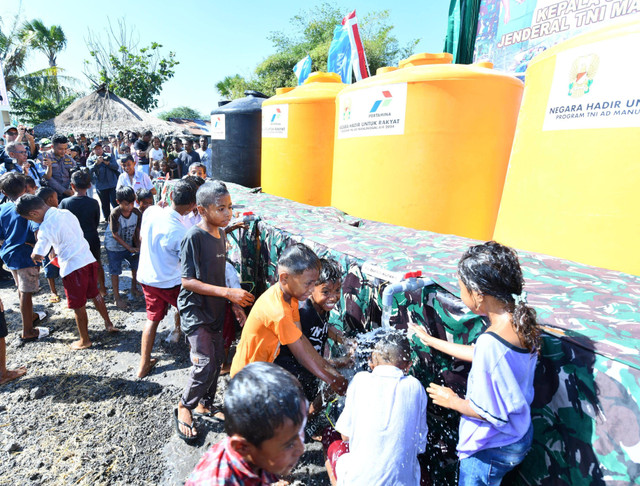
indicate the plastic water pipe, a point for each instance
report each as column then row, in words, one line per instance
column 390, row 290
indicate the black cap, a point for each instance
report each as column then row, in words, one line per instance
column 95, row 144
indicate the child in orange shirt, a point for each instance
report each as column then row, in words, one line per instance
column 274, row 319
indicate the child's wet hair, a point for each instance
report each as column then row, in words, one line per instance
column 493, row 269
column 298, row 258
column 27, row 203
column 81, row 178
column 210, row 193
column 393, row 347
column 45, row 193
column 258, row 401
column 330, row 271
column 125, row 194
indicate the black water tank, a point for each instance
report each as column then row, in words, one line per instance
column 236, row 140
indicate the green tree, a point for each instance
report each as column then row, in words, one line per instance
column 42, row 94
column 135, row 74
column 13, row 52
column 50, row 41
column 312, row 33
column 182, row 112
column 233, row 87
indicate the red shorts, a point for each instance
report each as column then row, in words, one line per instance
column 228, row 327
column 81, row 285
column 158, row 300
column 336, row 449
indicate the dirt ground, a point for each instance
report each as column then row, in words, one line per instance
column 83, row 418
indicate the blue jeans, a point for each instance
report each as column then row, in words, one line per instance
column 489, row 466
column 117, row 257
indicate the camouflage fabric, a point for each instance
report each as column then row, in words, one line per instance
column 586, row 409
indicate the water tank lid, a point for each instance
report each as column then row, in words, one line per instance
column 484, row 63
column 255, row 94
column 319, row 77
column 223, row 102
column 284, row 89
column 386, row 69
column 425, row 58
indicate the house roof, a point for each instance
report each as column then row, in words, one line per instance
column 195, row 127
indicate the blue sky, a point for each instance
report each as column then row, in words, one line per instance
column 211, row 39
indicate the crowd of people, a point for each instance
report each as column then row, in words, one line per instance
column 177, row 253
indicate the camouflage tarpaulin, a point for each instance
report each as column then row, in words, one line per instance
column 586, row 410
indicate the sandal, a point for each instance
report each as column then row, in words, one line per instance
column 211, row 415
column 41, row 316
column 43, row 332
column 54, row 299
column 178, row 423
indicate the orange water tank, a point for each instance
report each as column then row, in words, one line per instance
column 573, row 187
column 426, row 146
column 297, row 140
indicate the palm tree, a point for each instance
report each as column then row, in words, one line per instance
column 50, row 41
column 13, row 54
column 37, row 95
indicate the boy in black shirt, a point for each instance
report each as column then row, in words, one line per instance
column 202, row 304
column 87, row 210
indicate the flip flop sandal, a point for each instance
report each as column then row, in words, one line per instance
column 178, row 423
column 42, row 315
column 43, row 332
column 54, row 299
column 209, row 415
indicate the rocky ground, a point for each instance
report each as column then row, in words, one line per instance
column 83, row 418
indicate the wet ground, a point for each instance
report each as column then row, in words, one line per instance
column 83, row 418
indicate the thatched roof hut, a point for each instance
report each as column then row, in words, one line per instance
column 102, row 113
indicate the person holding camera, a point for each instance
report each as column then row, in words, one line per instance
column 20, row 163
column 21, row 135
column 106, row 172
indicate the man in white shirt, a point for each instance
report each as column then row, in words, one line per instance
column 61, row 230
column 205, row 156
column 159, row 272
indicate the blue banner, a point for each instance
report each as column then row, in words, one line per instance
column 303, row 69
column 339, row 60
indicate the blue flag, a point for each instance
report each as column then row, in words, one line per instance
column 303, row 69
column 339, row 60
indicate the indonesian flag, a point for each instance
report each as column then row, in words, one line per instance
column 359, row 60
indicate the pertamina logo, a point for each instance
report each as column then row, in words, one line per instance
column 346, row 110
column 218, row 120
column 581, row 74
column 383, row 103
column 276, row 116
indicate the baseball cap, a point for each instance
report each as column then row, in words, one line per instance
column 10, row 127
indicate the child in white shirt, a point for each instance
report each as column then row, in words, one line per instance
column 384, row 421
column 78, row 268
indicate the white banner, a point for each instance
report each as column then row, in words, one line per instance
column 218, row 130
column 596, row 86
column 275, row 121
column 371, row 112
